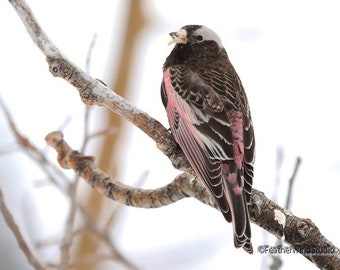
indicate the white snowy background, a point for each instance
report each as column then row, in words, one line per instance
column 287, row 55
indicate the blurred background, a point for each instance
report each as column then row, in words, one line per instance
column 287, row 56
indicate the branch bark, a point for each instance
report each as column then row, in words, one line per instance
column 302, row 234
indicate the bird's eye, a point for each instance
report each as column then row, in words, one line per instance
column 199, row 38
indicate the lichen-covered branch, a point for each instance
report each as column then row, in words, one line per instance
column 302, row 234
column 183, row 186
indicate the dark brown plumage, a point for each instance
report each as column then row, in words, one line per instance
column 210, row 119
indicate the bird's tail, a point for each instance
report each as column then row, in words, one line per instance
column 238, row 214
column 242, row 232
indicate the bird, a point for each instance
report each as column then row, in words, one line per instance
column 209, row 117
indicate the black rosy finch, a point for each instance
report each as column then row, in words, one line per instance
column 209, row 117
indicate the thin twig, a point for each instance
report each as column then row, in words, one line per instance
column 291, row 183
column 53, row 173
column 67, row 239
column 279, row 157
column 89, row 53
column 39, row 158
column 17, row 234
column 277, row 259
column 105, row 237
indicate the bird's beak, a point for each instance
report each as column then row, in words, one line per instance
column 178, row 37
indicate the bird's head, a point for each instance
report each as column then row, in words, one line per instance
column 195, row 45
column 195, row 34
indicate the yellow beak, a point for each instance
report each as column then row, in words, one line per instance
column 178, row 37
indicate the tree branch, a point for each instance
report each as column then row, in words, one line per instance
column 183, row 186
column 302, row 234
column 17, row 234
column 291, row 183
column 93, row 92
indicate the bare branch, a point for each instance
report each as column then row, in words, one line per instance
column 105, row 237
column 302, row 234
column 67, row 240
column 68, row 189
column 93, row 92
column 33, row 28
column 89, row 53
column 291, row 183
column 53, row 172
column 101, row 182
column 17, row 234
column 277, row 259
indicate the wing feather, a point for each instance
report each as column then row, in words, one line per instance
column 198, row 106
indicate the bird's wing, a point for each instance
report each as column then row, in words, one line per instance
column 227, row 84
column 203, row 121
